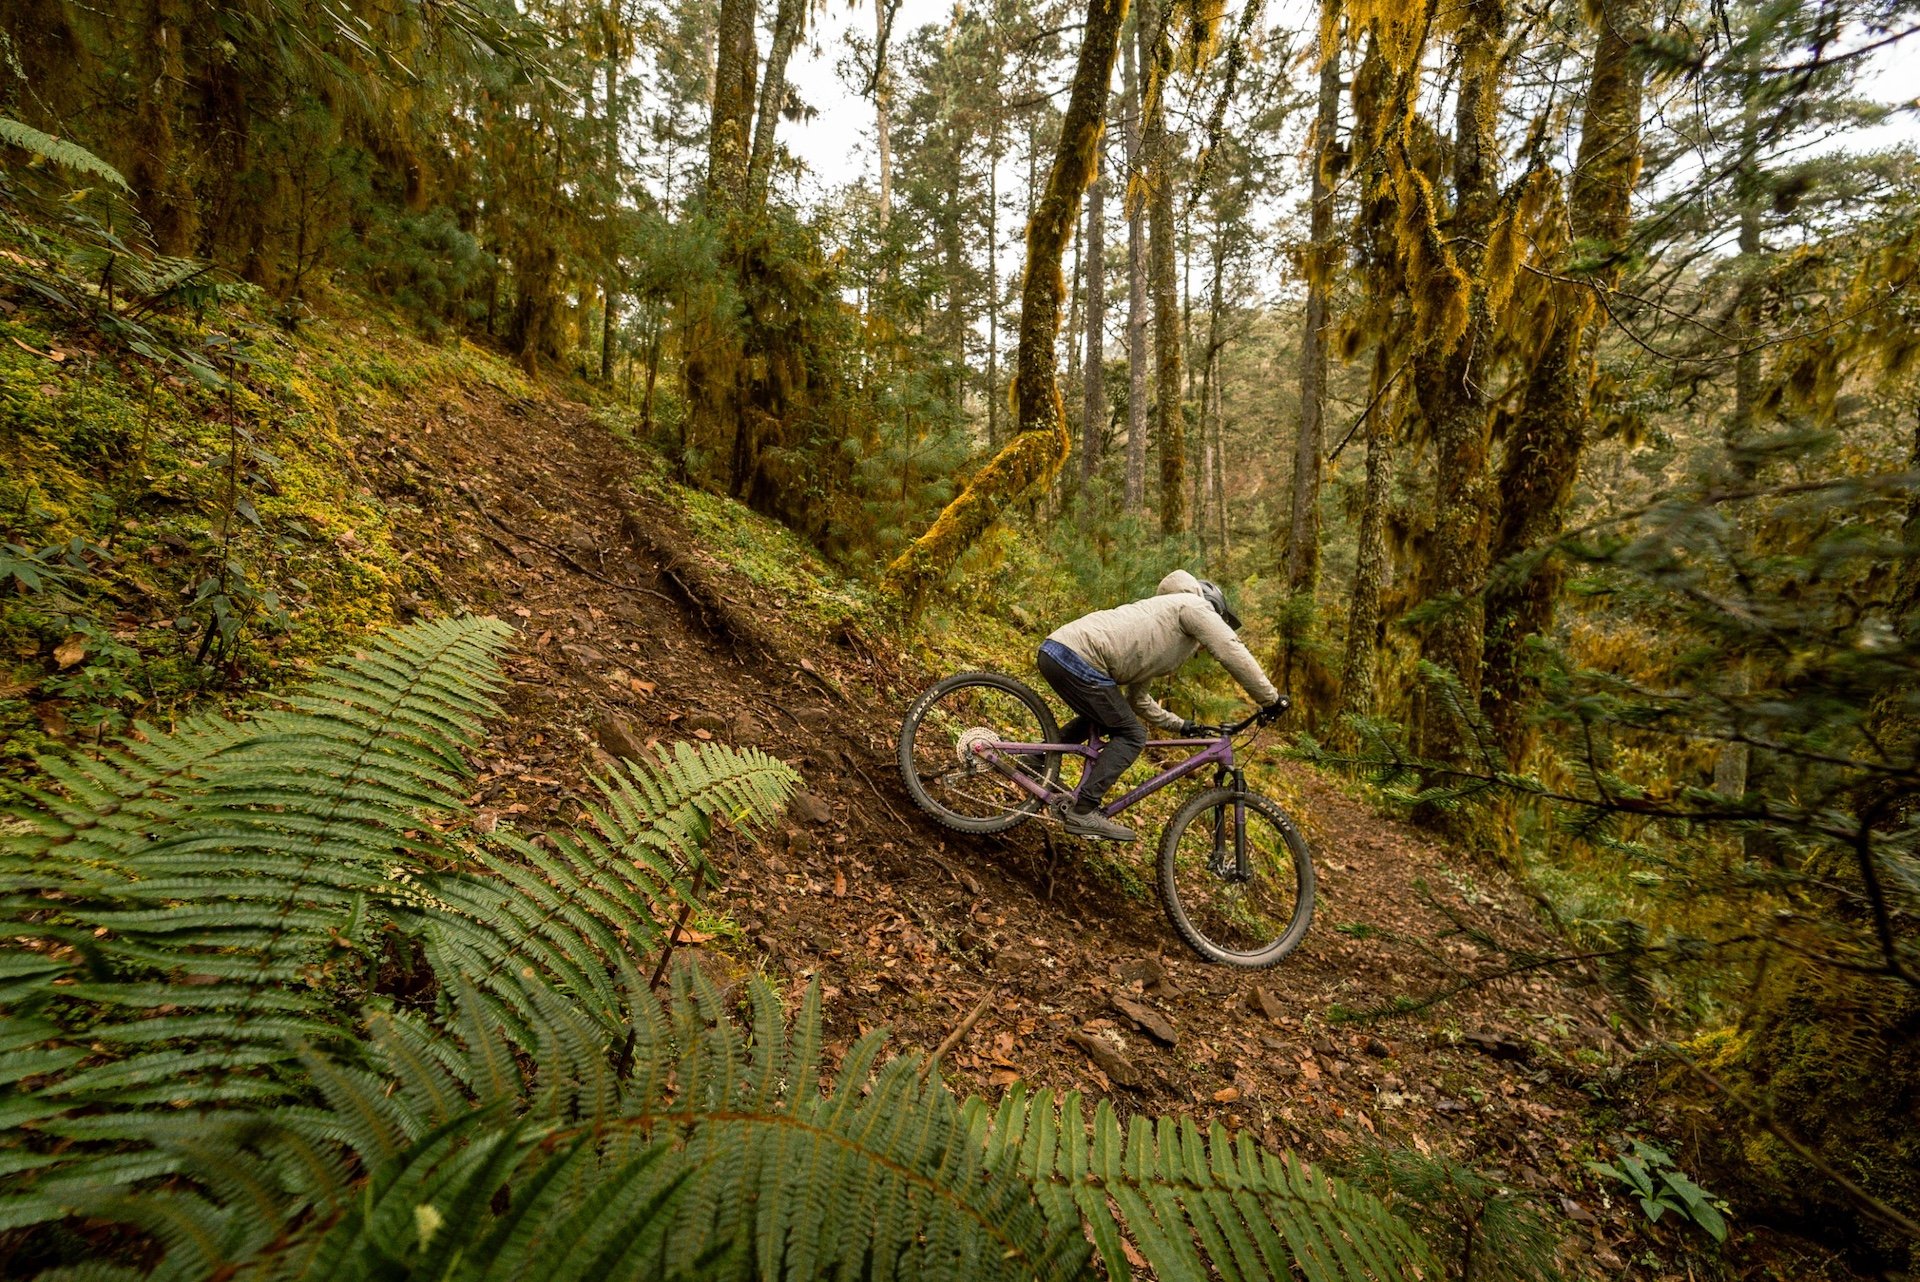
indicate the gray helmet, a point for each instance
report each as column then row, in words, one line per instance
column 1211, row 593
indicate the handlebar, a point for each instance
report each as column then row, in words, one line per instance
column 1270, row 713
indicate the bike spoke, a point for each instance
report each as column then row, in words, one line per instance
column 957, row 778
column 1239, row 915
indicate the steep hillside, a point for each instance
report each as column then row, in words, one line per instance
column 650, row 613
column 370, row 477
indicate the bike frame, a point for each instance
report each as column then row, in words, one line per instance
column 1217, row 752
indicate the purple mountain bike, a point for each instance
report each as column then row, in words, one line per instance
column 981, row 753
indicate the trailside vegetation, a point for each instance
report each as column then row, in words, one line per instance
column 1540, row 378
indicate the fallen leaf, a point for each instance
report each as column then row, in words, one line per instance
column 703, row 734
column 523, row 612
column 72, row 650
column 1002, row 1077
column 839, row 884
column 641, row 687
column 1134, row 1257
column 688, row 935
column 1226, row 1095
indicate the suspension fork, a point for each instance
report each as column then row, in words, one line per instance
column 1235, row 778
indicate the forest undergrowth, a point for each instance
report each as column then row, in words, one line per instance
column 649, row 612
column 451, row 455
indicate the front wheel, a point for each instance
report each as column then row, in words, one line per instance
column 1236, row 879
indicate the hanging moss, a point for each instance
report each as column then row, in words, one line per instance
column 1039, row 448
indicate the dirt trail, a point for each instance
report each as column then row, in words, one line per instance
column 632, row 634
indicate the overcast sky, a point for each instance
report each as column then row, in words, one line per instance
column 837, row 145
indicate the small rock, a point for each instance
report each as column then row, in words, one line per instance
column 747, row 729
column 711, row 722
column 1267, row 1004
column 616, row 734
column 1576, row 1212
column 1497, row 1046
column 585, row 657
column 1142, row 970
column 1150, row 1021
column 1107, row 1058
column 810, row 808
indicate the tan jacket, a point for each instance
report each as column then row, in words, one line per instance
column 1137, row 642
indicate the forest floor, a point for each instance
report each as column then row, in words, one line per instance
column 635, row 633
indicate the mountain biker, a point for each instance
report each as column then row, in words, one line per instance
column 1100, row 665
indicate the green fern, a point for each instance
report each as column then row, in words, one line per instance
column 61, row 152
column 271, row 1013
column 1197, row 1206
column 1491, row 1232
column 187, row 911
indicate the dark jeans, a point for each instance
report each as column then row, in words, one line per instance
column 1101, row 707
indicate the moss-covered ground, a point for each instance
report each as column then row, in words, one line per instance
column 168, row 538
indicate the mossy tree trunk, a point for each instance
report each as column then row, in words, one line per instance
column 1360, row 661
column 1547, row 437
column 735, row 70
column 1303, row 524
column 788, row 21
column 1450, row 382
column 1094, row 411
column 1169, row 424
column 884, row 12
column 1040, row 444
column 158, row 177
column 1134, row 490
column 610, row 285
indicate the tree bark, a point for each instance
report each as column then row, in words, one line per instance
column 736, row 59
column 1094, row 369
column 993, row 286
column 165, row 197
column 788, row 20
column 1360, row 661
column 1040, row 445
column 1303, row 525
column 609, row 288
column 1548, row 436
column 883, row 15
column 1211, row 498
column 1732, row 765
column 1134, row 491
column 1169, row 425
column 1452, row 392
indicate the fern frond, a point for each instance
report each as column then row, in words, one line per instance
column 1197, row 1206
column 61, row 152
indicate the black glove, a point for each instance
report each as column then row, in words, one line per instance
column 1275, row 710
column 1199, row 730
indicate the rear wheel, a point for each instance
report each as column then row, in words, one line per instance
column 1247, row 911
column 959, row 787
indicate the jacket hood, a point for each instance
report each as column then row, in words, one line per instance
column 1178, row 581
